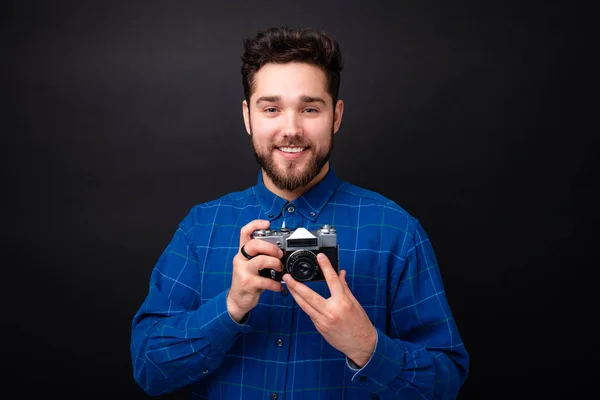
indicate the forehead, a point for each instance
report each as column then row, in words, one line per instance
column 290, row 80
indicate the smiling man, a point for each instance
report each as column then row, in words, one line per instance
column 292, row 121
column 227, row 313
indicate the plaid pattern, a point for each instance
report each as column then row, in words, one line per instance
column 182, row 334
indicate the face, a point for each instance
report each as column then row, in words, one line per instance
column 291, row 121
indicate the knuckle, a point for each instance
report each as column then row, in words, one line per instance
column 245, row 280
column 261, row 260
column 333, row 318
column 346, row 306
column 238, row 261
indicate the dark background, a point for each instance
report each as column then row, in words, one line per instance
column 118, row 117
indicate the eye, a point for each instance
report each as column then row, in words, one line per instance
column 270, row 110
column 310, row 110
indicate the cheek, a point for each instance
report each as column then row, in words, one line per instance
column 264, row 128
column 321, row 127
column 321, row 134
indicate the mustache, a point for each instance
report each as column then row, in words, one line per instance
column 293, row 142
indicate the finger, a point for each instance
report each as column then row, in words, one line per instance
column 346, row 287
column 305, row 293
column 249, row 228
column 333, row 280
column 258, row 246
column 344, row 283
column 304, row 305
column 268, row 284
column 343, row 274
column 262, row 262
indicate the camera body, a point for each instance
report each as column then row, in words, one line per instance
column 300, row 248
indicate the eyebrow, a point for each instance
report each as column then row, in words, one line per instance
column 304, row 99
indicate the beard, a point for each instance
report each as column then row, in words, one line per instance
column 291, row 176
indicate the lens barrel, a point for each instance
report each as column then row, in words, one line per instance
column 302, row 265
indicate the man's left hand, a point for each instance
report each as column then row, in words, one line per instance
column 340, row 319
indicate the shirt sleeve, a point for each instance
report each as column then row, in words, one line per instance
column 176, row 341
column 422, row 355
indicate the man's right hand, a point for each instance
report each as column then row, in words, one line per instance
column 246, row 283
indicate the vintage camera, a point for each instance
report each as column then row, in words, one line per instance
column 300, row 248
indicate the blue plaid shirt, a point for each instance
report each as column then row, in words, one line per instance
column 182, row 334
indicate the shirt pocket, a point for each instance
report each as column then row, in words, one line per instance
column 367, row 294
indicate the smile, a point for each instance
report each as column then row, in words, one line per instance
column 291, row 149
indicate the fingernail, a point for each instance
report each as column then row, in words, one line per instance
column 280, row 253
column 321, row 257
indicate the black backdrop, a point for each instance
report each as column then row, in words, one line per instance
column 119, row 117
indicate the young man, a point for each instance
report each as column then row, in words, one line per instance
column 378, row 325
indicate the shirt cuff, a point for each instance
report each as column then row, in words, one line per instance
column 383, row 366
column 220, row 327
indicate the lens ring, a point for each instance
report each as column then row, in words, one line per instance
column 302, row 265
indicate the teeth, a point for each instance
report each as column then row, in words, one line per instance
column 291, row 149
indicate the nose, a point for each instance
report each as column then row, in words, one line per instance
column 292, row 124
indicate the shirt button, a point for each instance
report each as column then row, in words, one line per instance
column 279, row 342
column 312, row 214
column 284, row 292
column 291, row 209
column 273, row 396
column 205, row 372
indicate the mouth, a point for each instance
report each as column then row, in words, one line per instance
column 291, row 149
column 291, row 152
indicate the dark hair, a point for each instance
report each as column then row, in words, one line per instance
column 285, row 44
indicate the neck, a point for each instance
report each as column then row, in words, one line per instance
column 294, row 194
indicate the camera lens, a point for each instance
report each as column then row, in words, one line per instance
column 302, row 265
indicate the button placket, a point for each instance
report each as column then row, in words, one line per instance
column 277, row 349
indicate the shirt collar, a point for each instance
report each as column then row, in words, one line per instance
column 310, row 204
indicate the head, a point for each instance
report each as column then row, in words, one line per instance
column 291, row 80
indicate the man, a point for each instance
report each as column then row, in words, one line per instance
column 377, row 326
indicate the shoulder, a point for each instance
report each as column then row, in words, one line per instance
column 376, row 205
column 233, row 201
column 230, row 199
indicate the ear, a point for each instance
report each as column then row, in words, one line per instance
column 246, row 114
column 338, row 112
